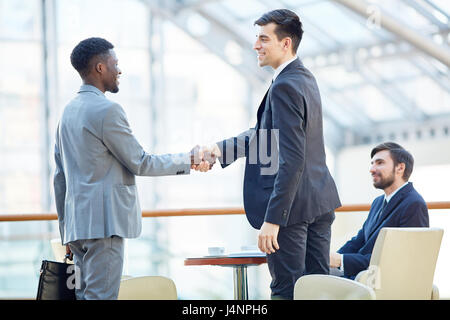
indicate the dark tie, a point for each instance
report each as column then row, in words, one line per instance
column 261, row 108
column 380, row 212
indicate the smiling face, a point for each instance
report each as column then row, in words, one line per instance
column 384, row 173
column 110, row 77
column 382, row 170
column 271, row 51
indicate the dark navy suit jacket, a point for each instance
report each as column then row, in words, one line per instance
column 299, row 186
column 406, row 209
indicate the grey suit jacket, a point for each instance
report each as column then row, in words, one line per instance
column 97, row 158
column 298, row 187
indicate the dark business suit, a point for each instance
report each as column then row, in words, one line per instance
column 406, row 209
column 295, row 189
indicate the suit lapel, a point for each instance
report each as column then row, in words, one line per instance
column 261, row 108
column 294, row 64
column 391, row 205
column 386, row 212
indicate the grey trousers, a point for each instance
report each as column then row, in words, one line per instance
column 98, row 267
column 336, row 272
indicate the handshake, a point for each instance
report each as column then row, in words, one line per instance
column 203, row 158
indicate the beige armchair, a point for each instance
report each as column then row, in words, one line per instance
column 147, row 288
column 325, row 287
column 401, row 267
column 403, row 262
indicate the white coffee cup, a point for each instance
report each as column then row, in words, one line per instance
column 252, row 247
column 216, row 251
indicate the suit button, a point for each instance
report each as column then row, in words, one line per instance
column 284, row 213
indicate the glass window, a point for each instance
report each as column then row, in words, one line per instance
column 20, row 19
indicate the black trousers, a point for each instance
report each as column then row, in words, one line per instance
column 304, row 249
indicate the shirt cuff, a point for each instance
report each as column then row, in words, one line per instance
column 342, row 263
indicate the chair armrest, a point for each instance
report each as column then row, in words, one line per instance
column 362, row 277
column 434, row 293
column 328, row 287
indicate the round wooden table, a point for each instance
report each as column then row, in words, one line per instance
column 239, row 265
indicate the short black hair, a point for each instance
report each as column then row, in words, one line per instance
column 87, row 49
column 398, row 155
column 288, row 25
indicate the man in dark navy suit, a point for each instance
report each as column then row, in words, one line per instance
column 289, row 193
column 400, row 206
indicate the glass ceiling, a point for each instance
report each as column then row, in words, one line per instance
column 368, row 75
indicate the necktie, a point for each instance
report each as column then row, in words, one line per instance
column 380, row 212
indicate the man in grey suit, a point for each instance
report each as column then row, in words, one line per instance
column 97, row 158
column 292, row 197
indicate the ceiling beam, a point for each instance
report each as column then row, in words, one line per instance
column 425, row 13
column 435, row 127
column 222, row 30
column 402, row 31
column 217, row 37
column 392, row 94
column 439, row 9
column 385, row 51
column 407, row 106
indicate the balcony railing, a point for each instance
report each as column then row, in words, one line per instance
column 198, row 212
column 25, row 266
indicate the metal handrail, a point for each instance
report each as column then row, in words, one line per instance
column 197, row 212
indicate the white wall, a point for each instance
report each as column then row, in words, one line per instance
column 352, row 168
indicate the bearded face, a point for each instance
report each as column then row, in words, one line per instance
column 382, row 170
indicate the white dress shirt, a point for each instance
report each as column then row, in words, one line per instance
column 281, row 67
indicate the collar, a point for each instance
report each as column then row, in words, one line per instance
column 89, row 88
column 281, row 67
column 389, row 197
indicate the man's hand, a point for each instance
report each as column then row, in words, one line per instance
column 267, row 238
column 210, row 154
column 204, row 158
column 335, row 260
column 213, row 149
column 69, row 253
column 197, row 161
